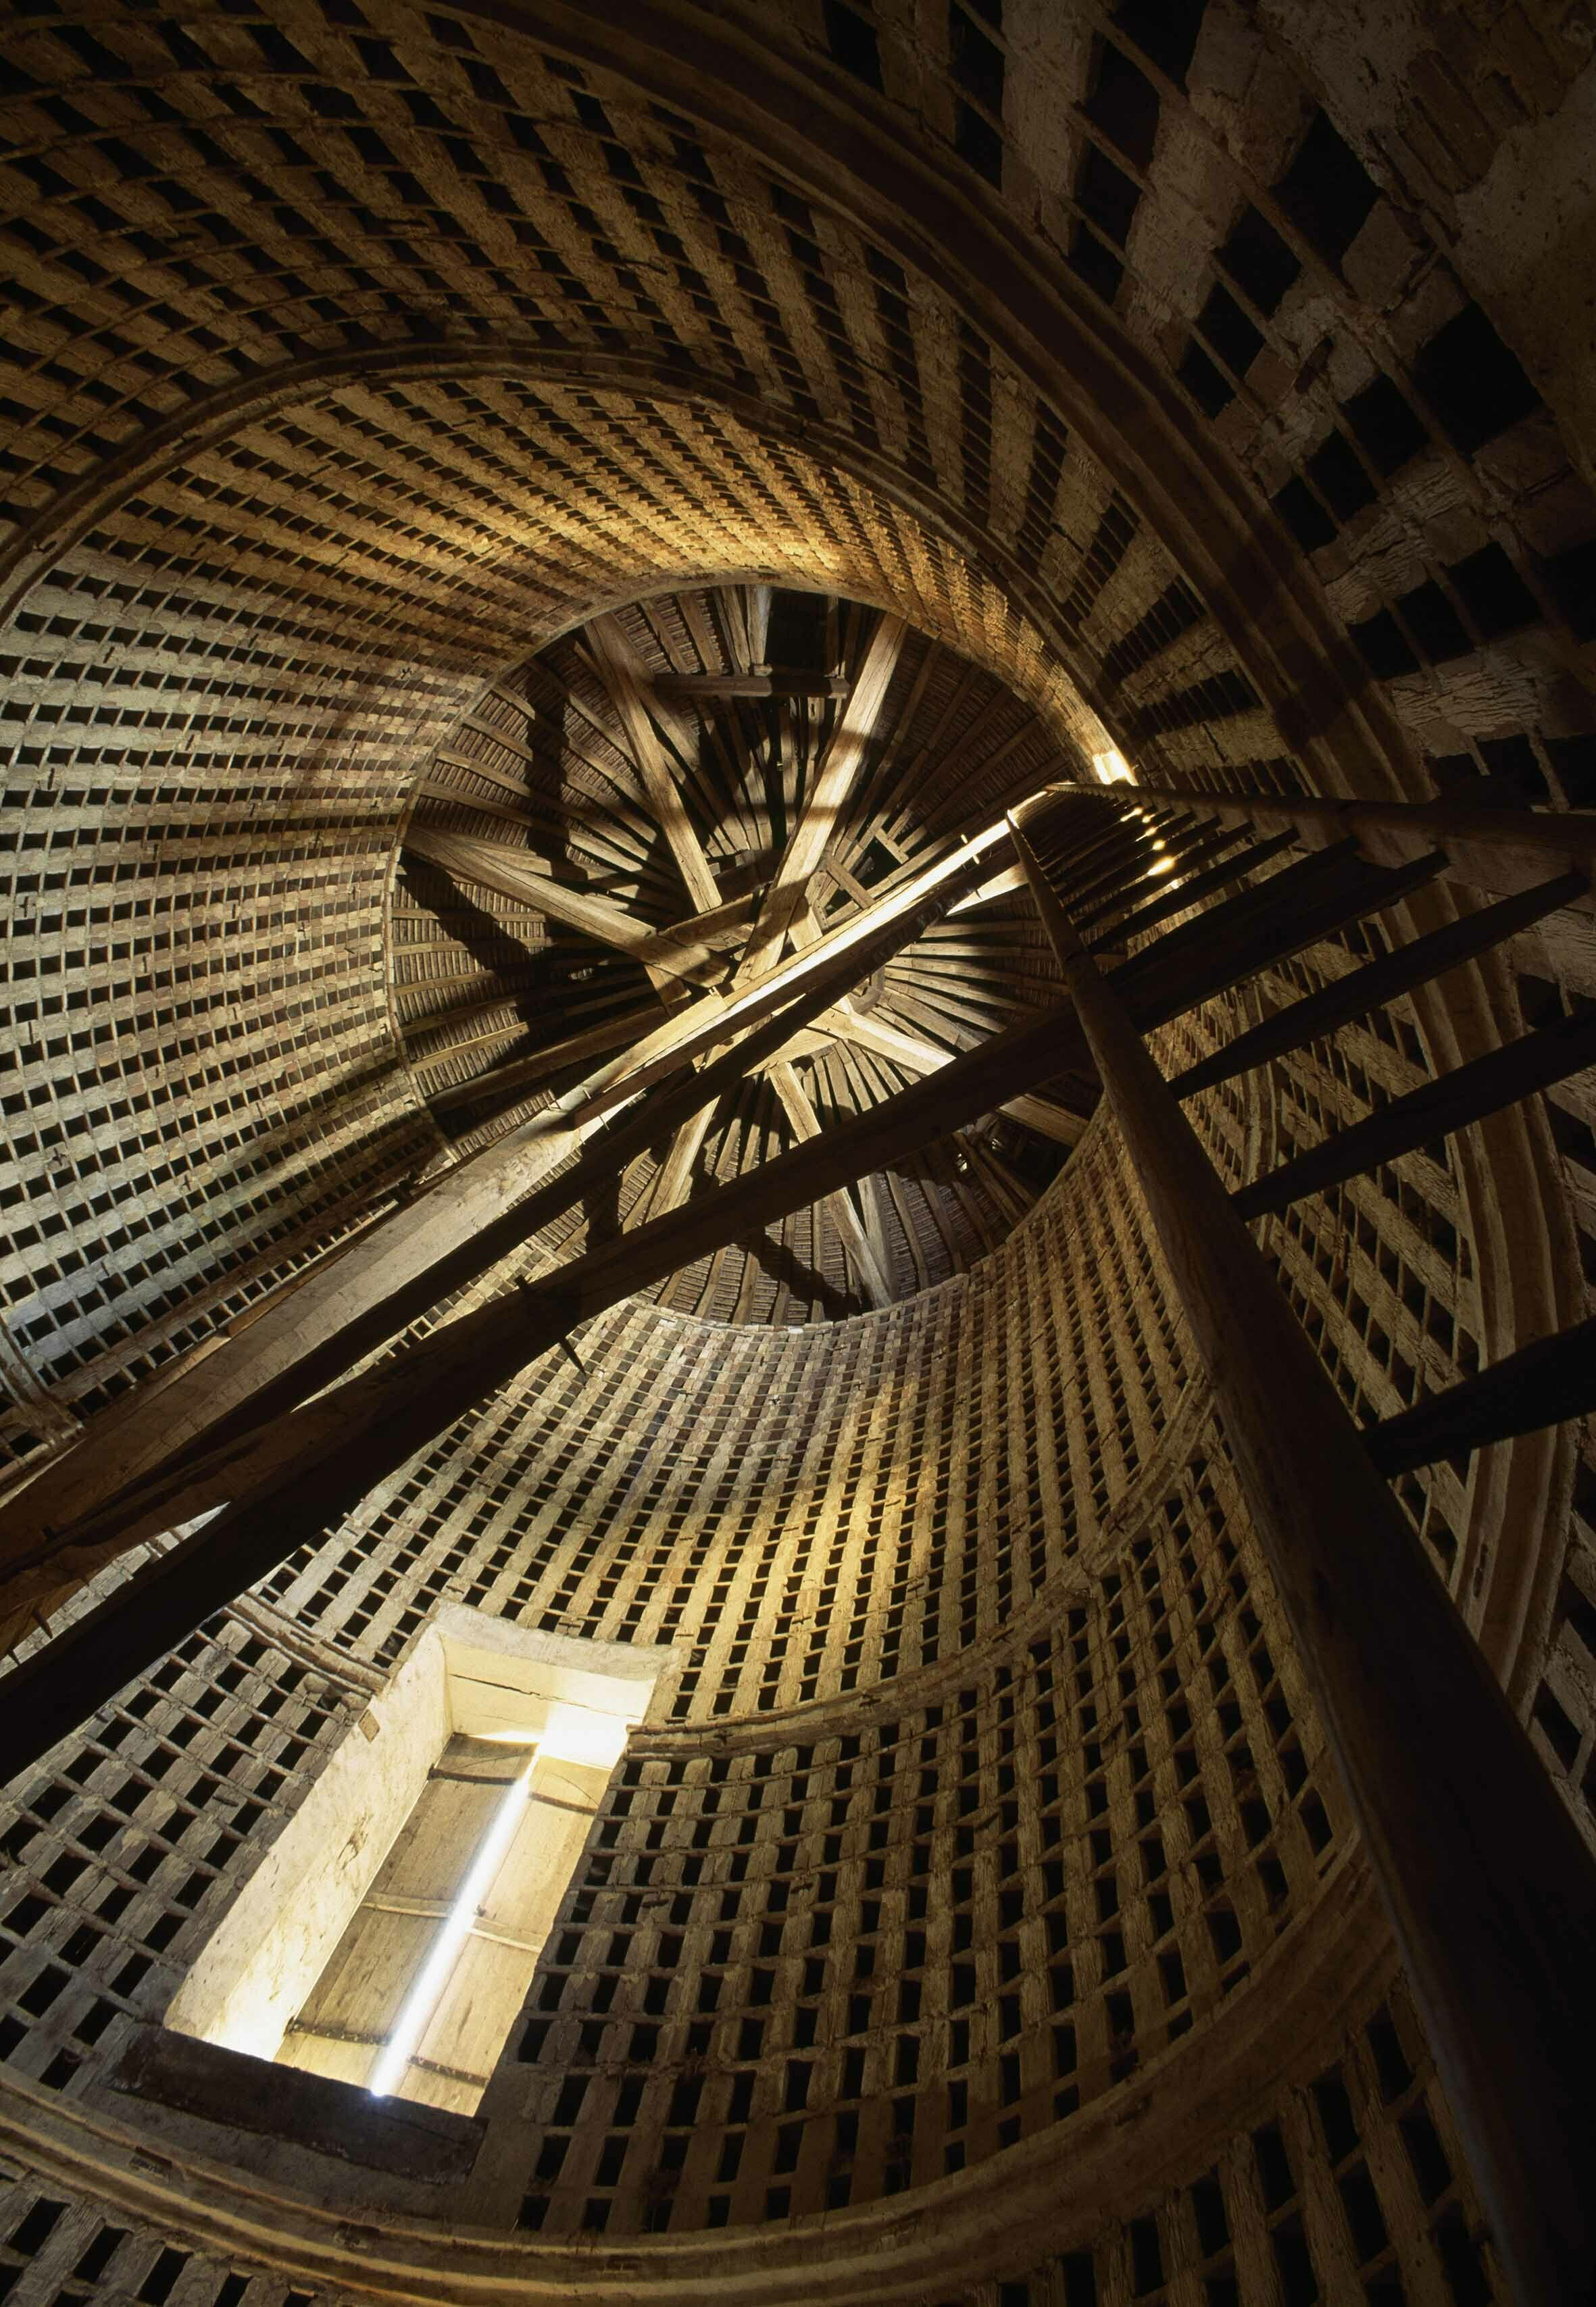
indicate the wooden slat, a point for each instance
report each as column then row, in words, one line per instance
column 1378, row 981
column 795, row 1103
column 234, row 1396
column 1544, row 1384
column 1498, row 850
column 1489, row 1887
column 1433, row 1111
column 1308, row 900
column 667, row 953
column 919, row 1057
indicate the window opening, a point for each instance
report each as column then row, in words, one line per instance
column 389, row 1937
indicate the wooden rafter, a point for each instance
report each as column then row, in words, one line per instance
column 628, row 687
column 795, row 1104
column 670, row 954
column 839, row 765
column 919, row 1057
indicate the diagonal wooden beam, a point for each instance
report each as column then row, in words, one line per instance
column 1546, row 1383
column 293, row 1483
column 806, row 1124
column 1003, row 883
column 1437, row 1108
column 1488, row 1885
column 688, row 688
column 918, row 1055
column 673, row 1183
column 839, row 765
column 1378, row 981
column 344, row 1309
column 671, row 954
column 627, row 683
column 172, row 1414
column 623, row 1031
column 1497, row 850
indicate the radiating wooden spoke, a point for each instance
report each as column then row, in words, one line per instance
column 628, row 687
column 678, row 795
column 801, row 1113
column 673, row 953
column 919, row 1057
column 839, row 766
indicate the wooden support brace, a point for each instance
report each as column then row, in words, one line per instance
column 1433, row 1111
column 294, row 1483
column 1377, row 981
column 1490, row 1889
column 1544, row 1384
column 1498, row 850
column 823, row 805
column 805, row 1122
column 627, row 686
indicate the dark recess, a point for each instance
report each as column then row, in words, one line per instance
column 1472, row 382
column 1124, row 104
column 1327, row 192
column 1258, row 260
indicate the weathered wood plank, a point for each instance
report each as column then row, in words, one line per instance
column 1498, row 850
column 671, row 953
column 795, row 1104
column 920, row 1057
column 297, row 1480
column 839, row 766
column 624, row 679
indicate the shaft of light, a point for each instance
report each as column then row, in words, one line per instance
column 433, row 1975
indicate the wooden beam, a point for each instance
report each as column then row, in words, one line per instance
column 839, row 765
column 1433, row 1111
column 1498, row 850
column 1490, row 1892
column 293, row 1483
column 688, row 688
column 1547, row 1383
column 619, row 1032
column 1183, row 887
column 1377, row 981
column 339, row 1312
column 1312, row 899
column 1003, row 883
column 627, row 683
column 921, row 1056
column 673, row 1182
column 675, row 953
column 806, row 1124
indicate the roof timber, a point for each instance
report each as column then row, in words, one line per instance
column 291, row 1482
column 920, row 1057
column 627, row 683
column 515, row 873
column 840, row 766
column 794, row 1102
column 476, row 1214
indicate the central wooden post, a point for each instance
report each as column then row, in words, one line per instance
column 1490, row 1892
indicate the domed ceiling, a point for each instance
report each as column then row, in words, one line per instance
column 666, row 806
